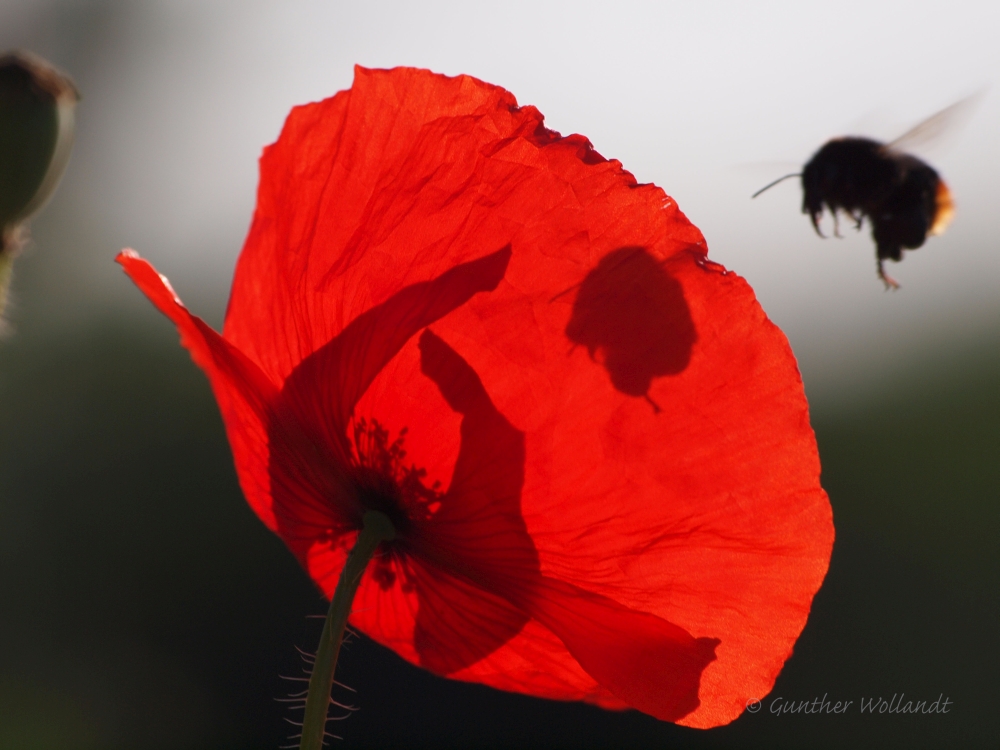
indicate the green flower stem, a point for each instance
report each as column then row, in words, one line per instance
column 377, row 528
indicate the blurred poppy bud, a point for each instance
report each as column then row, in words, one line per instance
column 36, row 135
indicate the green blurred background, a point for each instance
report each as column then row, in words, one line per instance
column 142, row 605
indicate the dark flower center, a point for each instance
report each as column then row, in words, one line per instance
column 384, row 481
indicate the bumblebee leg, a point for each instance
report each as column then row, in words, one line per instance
column 890, row 283
column 858, row 218
column 836, row 224
column 815, row 220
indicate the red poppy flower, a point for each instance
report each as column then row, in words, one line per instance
column 593, row 444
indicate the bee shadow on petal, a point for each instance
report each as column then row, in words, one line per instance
column 632, row 317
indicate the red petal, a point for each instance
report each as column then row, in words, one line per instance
column 327, row 384
column 479, row 534
column 309, row 431
column 649, row 663
column 244, row 393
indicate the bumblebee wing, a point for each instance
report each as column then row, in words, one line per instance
column 937, row 124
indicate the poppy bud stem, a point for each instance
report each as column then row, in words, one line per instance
column 376, row 529
column 6, row 266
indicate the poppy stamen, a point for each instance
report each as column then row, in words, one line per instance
column 385, row 482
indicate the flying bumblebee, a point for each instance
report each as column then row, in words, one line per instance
column 903, row 197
